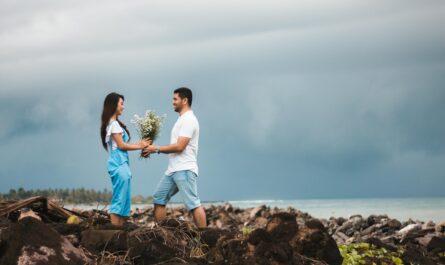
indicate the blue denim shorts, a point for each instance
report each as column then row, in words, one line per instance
column 183, row 182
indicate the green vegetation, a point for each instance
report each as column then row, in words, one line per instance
column 246, row 231
column 363, row 253
column 69, row 196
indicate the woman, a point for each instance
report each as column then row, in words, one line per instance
column 115, row 137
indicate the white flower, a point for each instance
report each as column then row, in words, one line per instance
column 148, row 126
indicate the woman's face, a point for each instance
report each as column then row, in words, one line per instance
column 120, row 107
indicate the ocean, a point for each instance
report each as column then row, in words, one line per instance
column 423, row 209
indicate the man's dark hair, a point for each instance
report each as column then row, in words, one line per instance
column 184, row 92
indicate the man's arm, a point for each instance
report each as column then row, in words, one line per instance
column 117, row 137
column 177, row 147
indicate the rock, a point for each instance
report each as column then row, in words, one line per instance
column 228, row 207
column 414, row 234
column 394, row 224
column 429, row 224
column 210, row 236
column 259, row 235
column 440, row 228
column 409, row 228
column 375, row 219
column 437, row 244
column 371, row 220
column 340, row 220
column 30, row 241
column 314, row 241
column 371, row 229
column 99, row 240
column 73, row 239
column 257, row 211
column 414, row 255
column 340, row 237
column 351, row 225
column 260, row 221
column 359, row 216
column 408, row 222
column 391, row 239
column 378, row 243
column 219, row 223
column 273, row 253
column 226, row 219
column 282, row 226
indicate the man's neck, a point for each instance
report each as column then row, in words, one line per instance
column 184, row 110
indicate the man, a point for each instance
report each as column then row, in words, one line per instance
column 182, row 168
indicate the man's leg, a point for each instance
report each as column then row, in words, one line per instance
column 186, row 182
column 160, row 212
column 164, row 191
column 199, row 216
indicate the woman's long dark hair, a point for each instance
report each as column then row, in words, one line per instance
column 110, row 107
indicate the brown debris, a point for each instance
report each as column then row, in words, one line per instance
column 257, row 236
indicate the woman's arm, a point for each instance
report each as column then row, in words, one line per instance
column 177, row 147
column 117, row 137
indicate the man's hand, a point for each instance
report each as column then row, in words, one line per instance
column 148, row 150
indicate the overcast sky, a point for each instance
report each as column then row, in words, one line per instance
column 295, row 99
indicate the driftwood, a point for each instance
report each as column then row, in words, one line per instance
column 45, row 206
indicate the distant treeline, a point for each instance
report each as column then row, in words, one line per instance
column 69, row 196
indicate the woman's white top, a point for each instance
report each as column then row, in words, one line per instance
column 112, row 127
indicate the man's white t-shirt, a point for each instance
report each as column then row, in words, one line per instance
column 186, row 126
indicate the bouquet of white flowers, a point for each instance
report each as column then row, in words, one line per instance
column 148, row 126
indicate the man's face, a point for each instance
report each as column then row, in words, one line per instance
column 178, row 102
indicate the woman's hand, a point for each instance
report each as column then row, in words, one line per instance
column 144, row 143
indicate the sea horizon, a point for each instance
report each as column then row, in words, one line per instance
column 402, row 208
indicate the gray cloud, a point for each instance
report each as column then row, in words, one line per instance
column 289, row 94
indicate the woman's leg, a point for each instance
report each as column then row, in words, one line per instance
column 121, row 199
column 117, row 219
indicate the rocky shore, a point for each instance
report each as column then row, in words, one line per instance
column 261, row 235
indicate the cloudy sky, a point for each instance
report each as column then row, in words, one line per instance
column 296, row 99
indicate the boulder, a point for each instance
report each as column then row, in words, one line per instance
column 257, row 211
column 394, row 224
column 440, row 228
column 30, row 241
column 282, row 226
column 409, row 228
column 413, row 254
column 314, row 241
column 436, row 244
column 99, row 240
column 355, row 223
column 378, row 243
column 429, row 224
